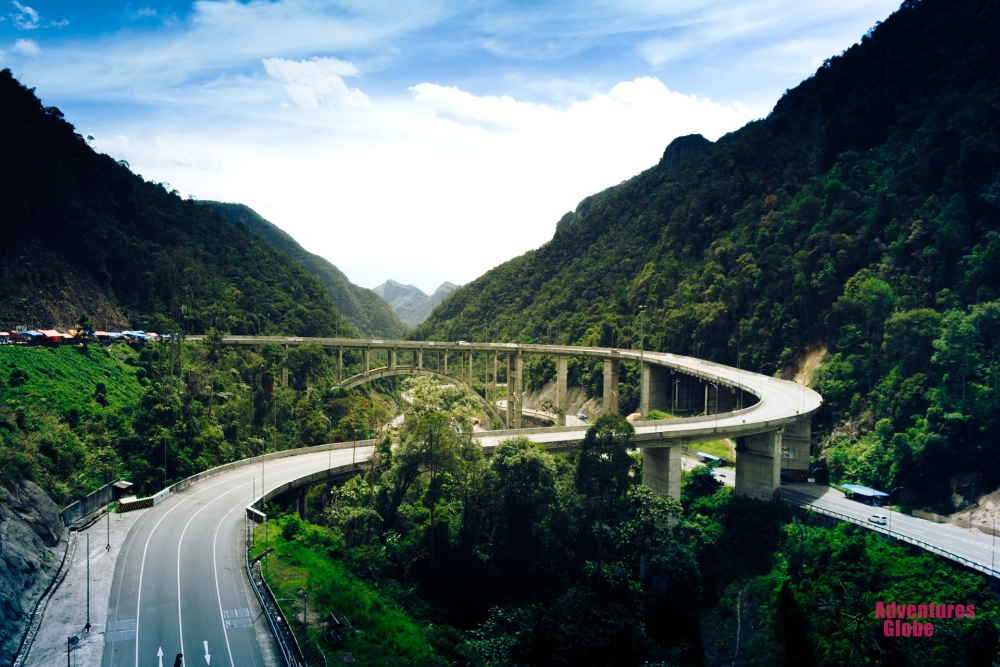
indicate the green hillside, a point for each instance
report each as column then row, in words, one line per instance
column 59, row 414
column 363, row 309
column 79, row 227
column 863, row 212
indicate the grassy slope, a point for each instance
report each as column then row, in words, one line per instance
column 64, row 378
column 309, row 561
column 53, row 428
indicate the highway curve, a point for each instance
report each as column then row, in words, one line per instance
column 180, row 584
column 181, row 573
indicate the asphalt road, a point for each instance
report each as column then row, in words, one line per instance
column 180, row 582
column 975, row 547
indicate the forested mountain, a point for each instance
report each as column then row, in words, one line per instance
column 410, row 302
column 363, row 309
column 81, row 232
column 863, row 212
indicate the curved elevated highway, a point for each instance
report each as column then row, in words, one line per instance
column 770, row 419
column 180, row 584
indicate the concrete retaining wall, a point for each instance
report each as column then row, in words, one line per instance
column 81, row 508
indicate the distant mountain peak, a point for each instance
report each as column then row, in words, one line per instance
column 409, row 302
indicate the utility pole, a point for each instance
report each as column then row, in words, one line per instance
column 890, row 508
column 642, row 360
column 88, row 583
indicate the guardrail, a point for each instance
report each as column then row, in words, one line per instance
column 910, row 540
column 291, row 652
column 176, row 487
column 291, row 655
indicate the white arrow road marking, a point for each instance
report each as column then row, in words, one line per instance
column 208, row 658
column 159, row 654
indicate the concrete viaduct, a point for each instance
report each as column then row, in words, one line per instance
column 769, row 419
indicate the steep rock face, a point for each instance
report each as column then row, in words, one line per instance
column 32, row 540
column 682, row 147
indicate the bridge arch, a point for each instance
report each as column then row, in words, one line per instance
column 361, row 378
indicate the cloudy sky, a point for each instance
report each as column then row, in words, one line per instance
column 420, row 141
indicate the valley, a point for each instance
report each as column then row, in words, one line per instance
column 734, row 402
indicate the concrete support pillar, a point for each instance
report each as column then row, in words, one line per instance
column 661, row 470
column 419, row 363
column 340, row 365
column 705, row 411
column 689, row 394
column 284, row 371
column 494, row 378
column 655, row 389
column 392, row 359
column 301, row 502
column 515, row 375
column 472, row 375
column 610, row 399
column 510, row 390
column 446, row 362
column 367, row 362
column 795, row 443
column 562, row 375
column 758, row 465
column 518, row 388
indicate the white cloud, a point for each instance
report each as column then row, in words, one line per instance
column 59, row 24
column 28, row 47
column 414, row 178
column 26, row 18
column 316, row 82
column 454, row 148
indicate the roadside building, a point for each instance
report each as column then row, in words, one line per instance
column 864, row 494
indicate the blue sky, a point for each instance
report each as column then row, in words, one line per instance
column 420, row 141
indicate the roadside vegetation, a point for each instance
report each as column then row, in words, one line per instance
column 72, row 418
column 529, row 558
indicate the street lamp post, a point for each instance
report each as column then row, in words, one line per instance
column 642, row 361
column 890, row 507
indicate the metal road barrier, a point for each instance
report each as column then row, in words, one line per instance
column 910, row 540
column 291, row 655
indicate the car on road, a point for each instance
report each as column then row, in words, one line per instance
column 877, row 518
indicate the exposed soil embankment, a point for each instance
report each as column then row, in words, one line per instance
column 577, row 400
column 38, row 288
column 32, row 543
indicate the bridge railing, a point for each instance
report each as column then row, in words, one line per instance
column 944, row 553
